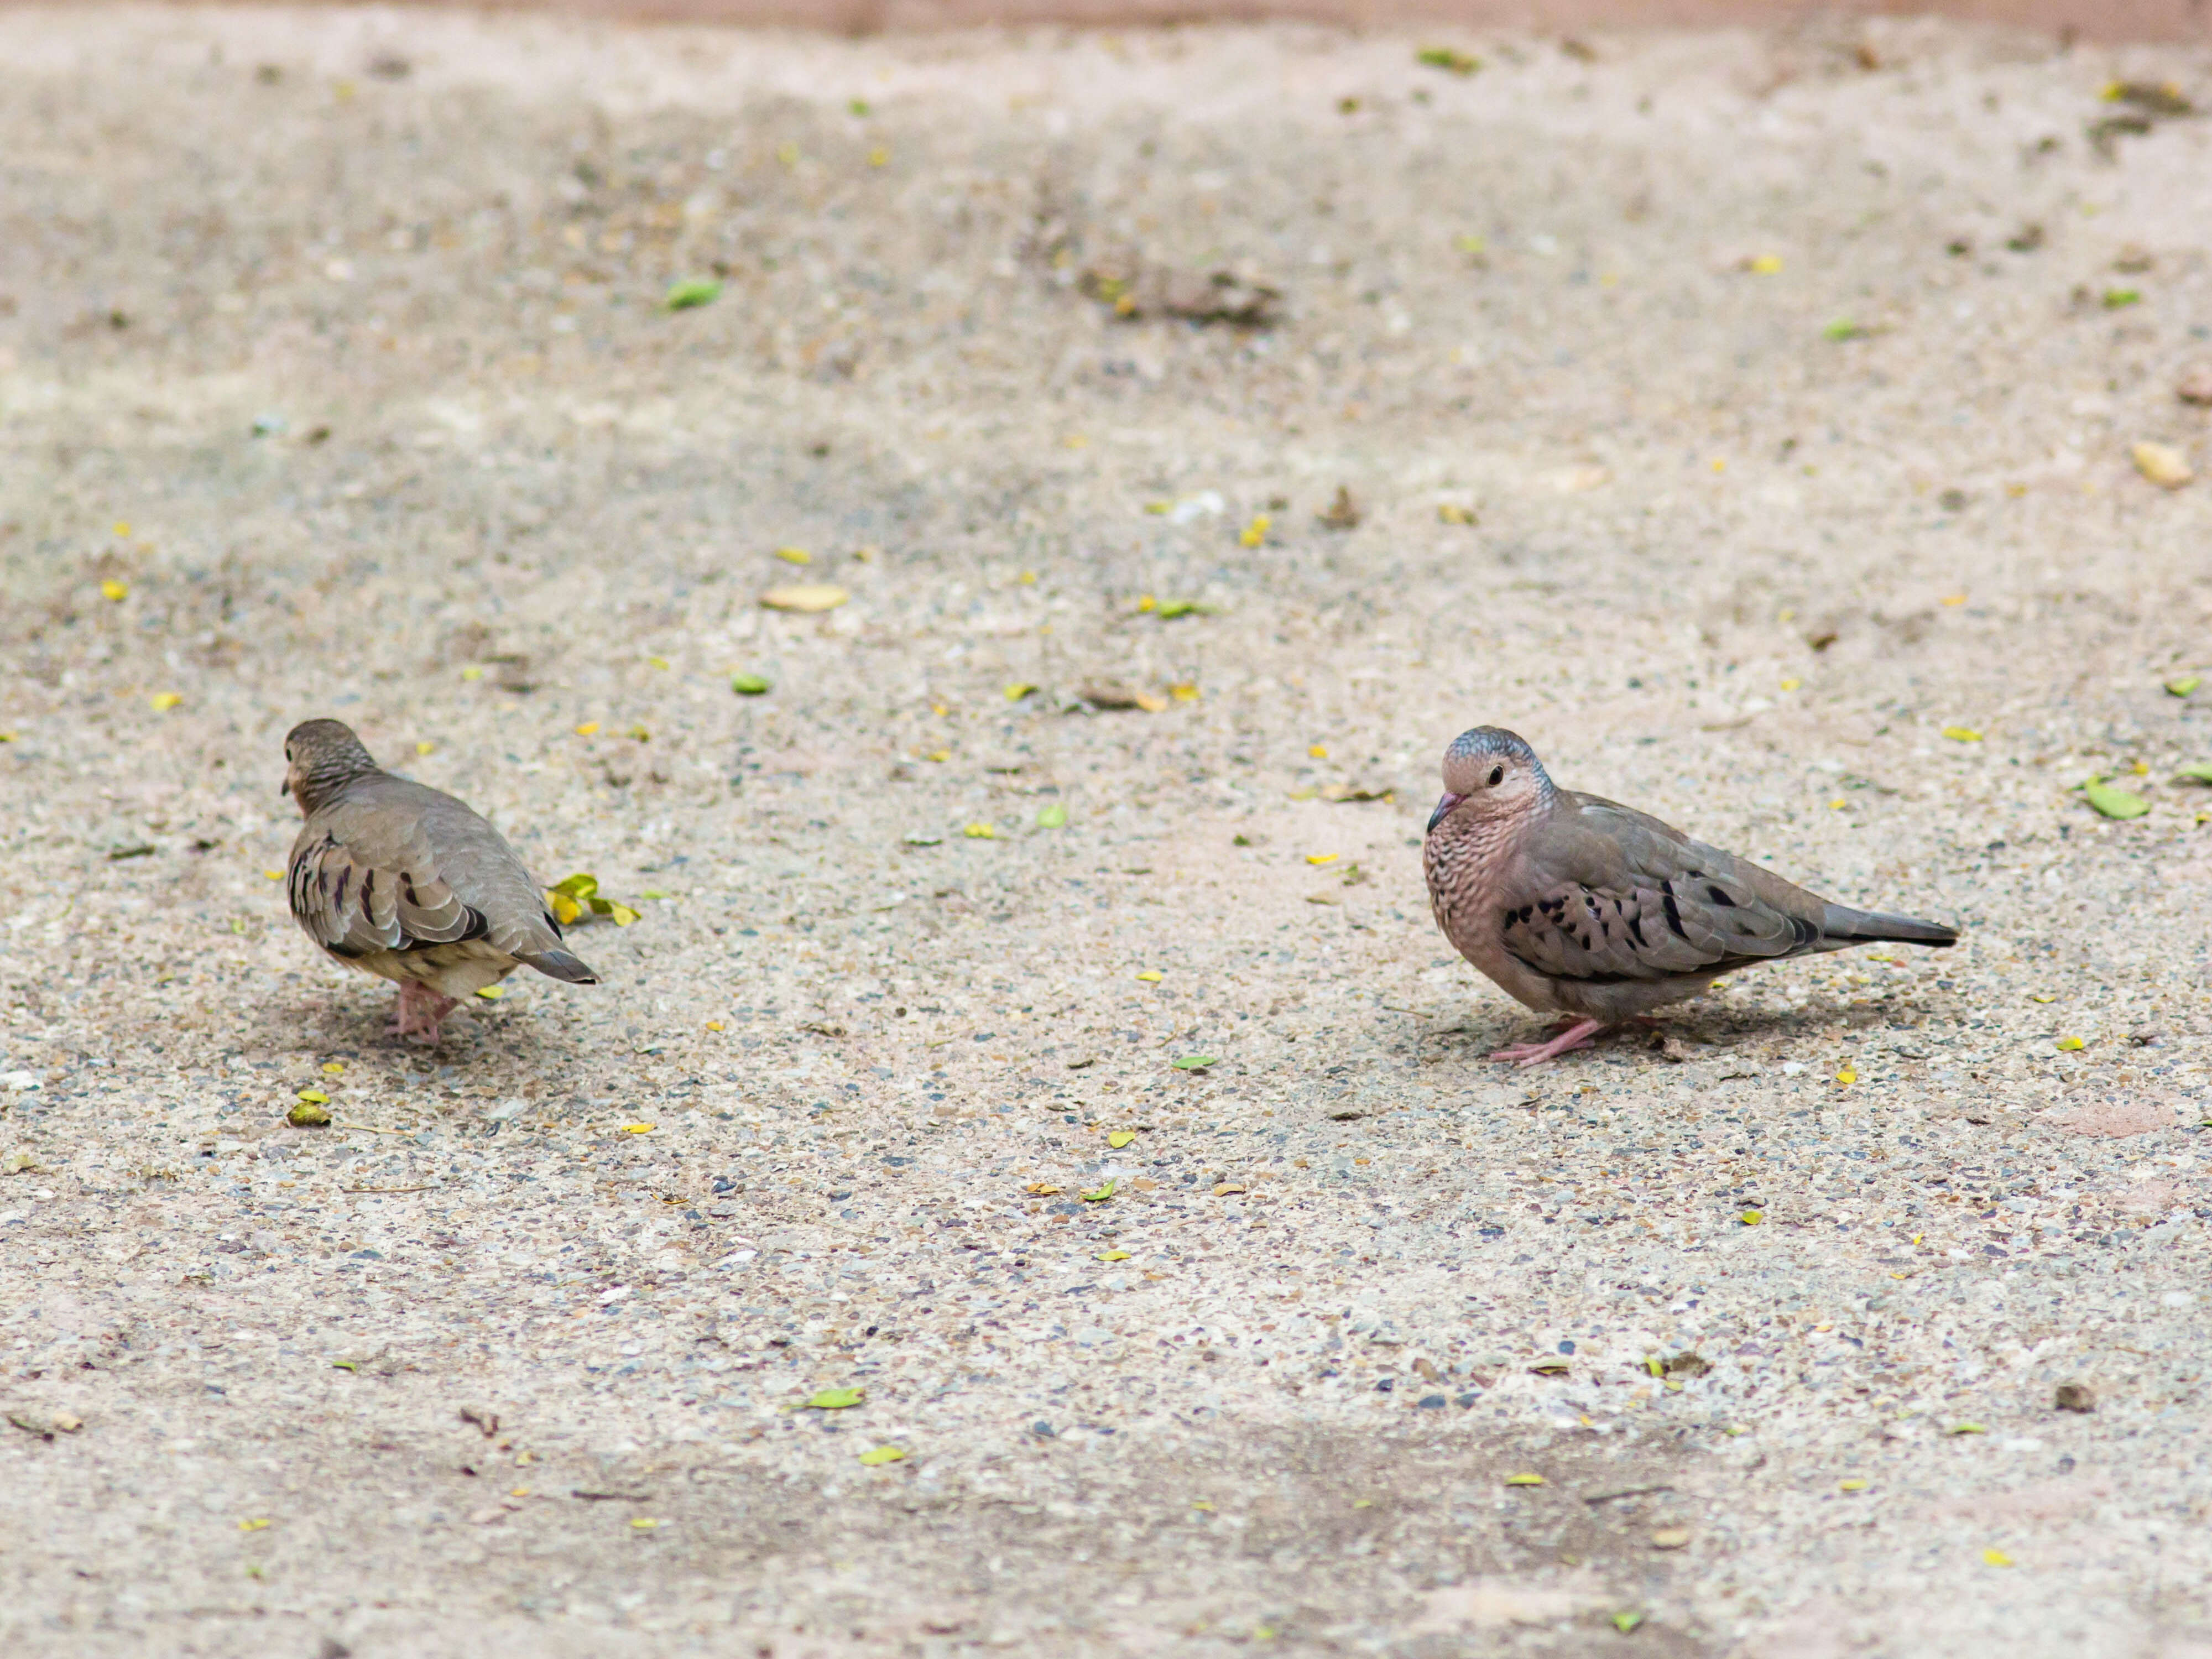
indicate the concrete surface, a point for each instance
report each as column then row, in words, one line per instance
column 333, row 341
column 2082, row 20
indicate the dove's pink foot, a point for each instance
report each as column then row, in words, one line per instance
column 420, row 1010
column 1579, row 1034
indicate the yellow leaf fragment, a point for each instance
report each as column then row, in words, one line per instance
column 1765, row 265
column 1996, row 1558
column 114, row 590
column 2162, row 464
column 333, row 1067
column 981, row 832
column 1670, row 1538
column 1041, row 1189
column 2071, row 1044
column 1962, row 734
column 587, row 728
column 1151, row 702
column 1256, row 531
column 491, row 993
column 644, row 1524
column 795, row 555
column 1323, row 858
column 425, row 747
column 1752, row 1217
column 1850, row 1485
column 1113, row 1255
column 1183, row 692
column 1118, row 1139
column 1524, row 1480
column 875, row 1457
column 251, row 1526
column 1317, row 751
column 808, row 598
column 1151, row 976
column 1016, row 692
column 1847, row 1077
column 163, row 702
column 637, row 1128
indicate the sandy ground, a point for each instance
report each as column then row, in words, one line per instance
column 1791, row 401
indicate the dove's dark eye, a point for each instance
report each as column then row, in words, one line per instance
column 1497, row 776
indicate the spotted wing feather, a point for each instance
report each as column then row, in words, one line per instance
column 355, row 897
column 1612, row 897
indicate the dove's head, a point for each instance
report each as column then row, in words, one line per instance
column 320, row 758
column 1491, row 775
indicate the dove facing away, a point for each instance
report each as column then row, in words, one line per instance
column 401, row 880
column 1582, row 907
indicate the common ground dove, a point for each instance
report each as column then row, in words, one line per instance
column 1581, row 907
column 401, row 880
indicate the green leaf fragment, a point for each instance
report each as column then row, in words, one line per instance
column 919, row 838
column 2198, row 773
column 2183, row 686
column 2118, row 299
column 344, row 1366
column 699, row 291
column 1194, row 1063
column 1625, row 1622
column 1169, row 609
column 578, row 887
column 748, row 685
column 833, row 1399
column 2113, row 803
column 1052, row 818
column 655, row 893
column 1101, row 1195
column 1842, row 329
column 1445, row 57
column 880, row 1455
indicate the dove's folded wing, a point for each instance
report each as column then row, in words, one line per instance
column 1613, row 896
column 358, row 887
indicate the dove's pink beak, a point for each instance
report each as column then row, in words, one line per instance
column 1443, row 809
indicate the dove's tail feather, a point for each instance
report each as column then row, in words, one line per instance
column 559, row 964
column 1844, row 925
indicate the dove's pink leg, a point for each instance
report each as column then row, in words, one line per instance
column 1579, row 1034
column 420, row 1010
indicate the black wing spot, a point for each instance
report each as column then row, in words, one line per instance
column 1719, row 897
column 1636, row 927
column 1802, row 932
column 1673, row 911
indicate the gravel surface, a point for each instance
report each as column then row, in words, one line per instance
column 1747, row 420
